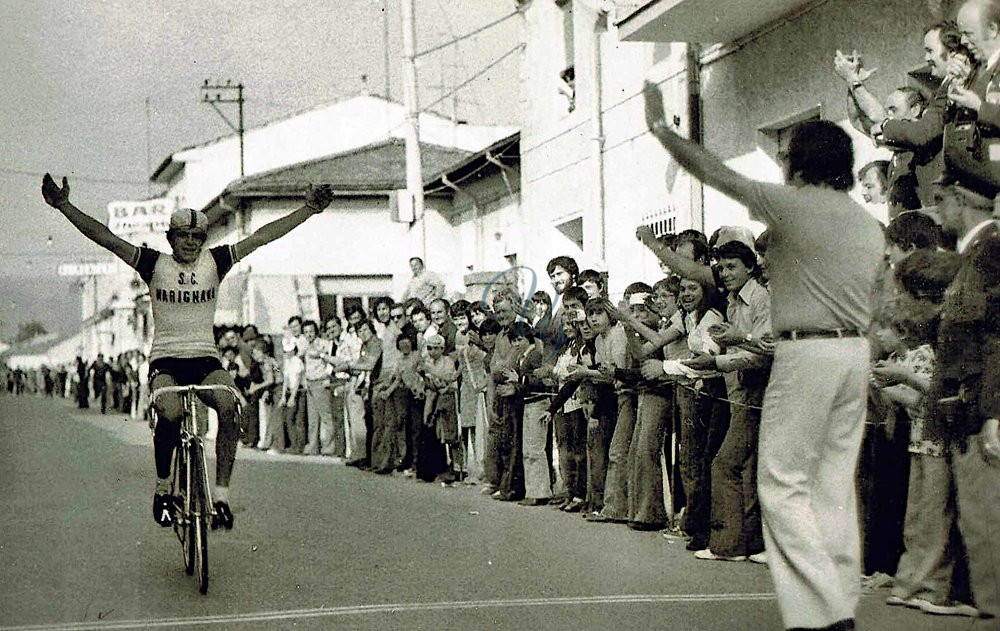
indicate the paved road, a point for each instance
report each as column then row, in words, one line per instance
column 318, row 546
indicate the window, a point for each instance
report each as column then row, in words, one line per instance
column 335, row 294
column 567, row 87
column 572, row 230
column 567, row 76
column 661, row 221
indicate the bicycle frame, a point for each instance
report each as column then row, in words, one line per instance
column 190, row 518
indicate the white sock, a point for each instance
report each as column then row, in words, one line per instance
column 162, row 486
column 221, row 494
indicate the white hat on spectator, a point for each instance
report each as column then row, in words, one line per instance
column 735, row 233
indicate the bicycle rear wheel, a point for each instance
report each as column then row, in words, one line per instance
column 198, row 527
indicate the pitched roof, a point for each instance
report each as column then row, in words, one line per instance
column 375, row 168
column 35, row 345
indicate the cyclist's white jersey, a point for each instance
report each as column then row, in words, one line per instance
column 183, row 298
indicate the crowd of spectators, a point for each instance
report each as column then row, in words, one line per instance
column 117, row 383
column 646, row 412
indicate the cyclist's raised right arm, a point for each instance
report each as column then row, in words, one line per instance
column 94, row 230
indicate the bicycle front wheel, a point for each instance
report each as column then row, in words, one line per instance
column 182, row 495
column 198, row 527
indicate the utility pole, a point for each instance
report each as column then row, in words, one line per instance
column 385, row 47
column 414, row 177
column 149, row 153
column 223, row 93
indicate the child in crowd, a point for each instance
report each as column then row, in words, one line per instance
column 593, row 283
column 567, row 413
column 441, row 404
column 472, row 386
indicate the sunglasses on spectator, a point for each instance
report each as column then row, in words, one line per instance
column 396, row 316
column 434, row 348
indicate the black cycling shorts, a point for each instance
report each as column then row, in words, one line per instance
column 185, row 371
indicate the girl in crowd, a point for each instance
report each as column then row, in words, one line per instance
column 567, row 413
column 700, row 401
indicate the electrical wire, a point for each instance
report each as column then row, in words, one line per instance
column 433, row 49
column 483, row 71
column 81, row 178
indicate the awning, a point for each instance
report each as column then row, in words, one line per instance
column 702, row 21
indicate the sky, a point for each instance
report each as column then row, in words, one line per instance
column 103, row 91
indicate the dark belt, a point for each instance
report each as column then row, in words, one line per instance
column 810, row 334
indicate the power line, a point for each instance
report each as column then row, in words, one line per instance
column 486, row 69
column 467, row 35
column 95, row 254
column 81, row 178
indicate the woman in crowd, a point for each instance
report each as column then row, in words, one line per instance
column 263, row 384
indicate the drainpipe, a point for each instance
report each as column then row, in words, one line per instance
column 695, row 128
column 597, row 131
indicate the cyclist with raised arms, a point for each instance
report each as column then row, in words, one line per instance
column 183, row 288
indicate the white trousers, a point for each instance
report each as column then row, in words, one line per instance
column 810, row 436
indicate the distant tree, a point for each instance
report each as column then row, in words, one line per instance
column 28, row 330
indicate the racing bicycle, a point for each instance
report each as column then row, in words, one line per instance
column 192, row 494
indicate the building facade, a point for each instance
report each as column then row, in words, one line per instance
column 761, row 69
column 591, row 174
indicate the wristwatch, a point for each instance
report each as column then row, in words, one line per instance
column 749, row 338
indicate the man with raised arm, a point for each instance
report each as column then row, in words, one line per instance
column 183, row 288
column 823, row 256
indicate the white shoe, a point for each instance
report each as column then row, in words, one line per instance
column 708, row 555
column 946, row 608
column 760, row 557
column 878, row 580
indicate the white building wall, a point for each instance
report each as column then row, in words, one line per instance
column 789, row 70
column 353, row 237
column 557, row 146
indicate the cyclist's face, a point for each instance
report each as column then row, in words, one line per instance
column 187, row 244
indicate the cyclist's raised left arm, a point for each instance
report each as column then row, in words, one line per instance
column 317, row 198
column 94, row 230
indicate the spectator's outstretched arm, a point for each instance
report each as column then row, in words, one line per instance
column 694, row 158
column 683, row 267
column 317, row 198
column 653, row 340
column 857, row 118
column 94, row 230
column 863, row 108
column 871, row 110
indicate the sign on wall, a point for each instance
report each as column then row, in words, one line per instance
column 90, row 268
column 134, row 218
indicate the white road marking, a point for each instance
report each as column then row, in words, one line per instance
column 359, row 610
